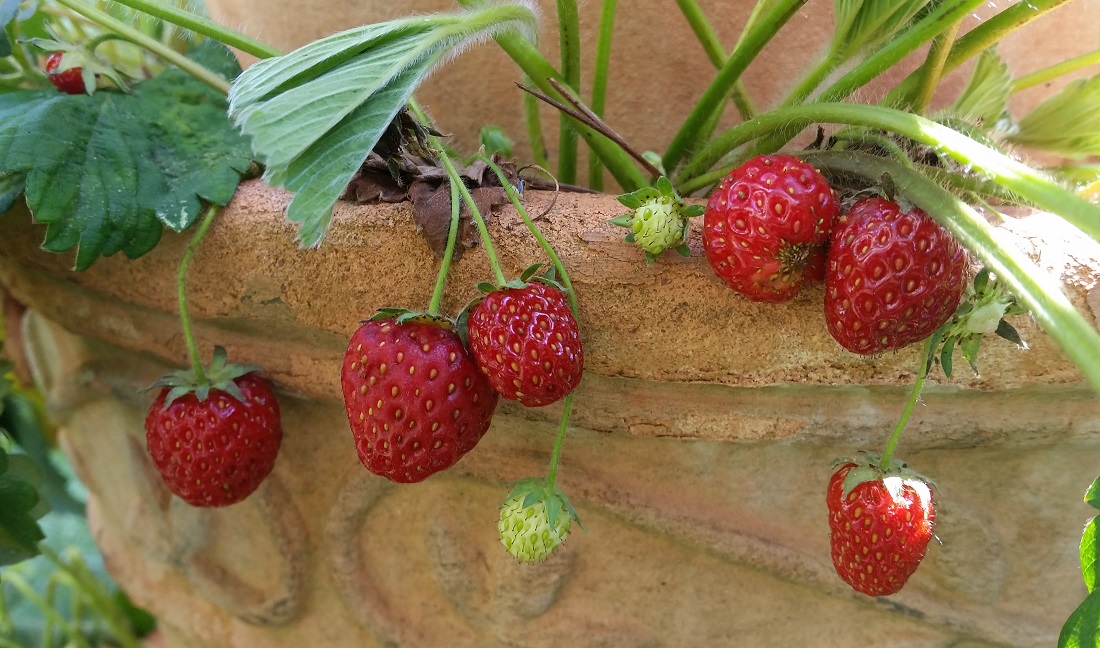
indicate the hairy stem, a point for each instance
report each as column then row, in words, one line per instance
column 715, row 95
column 599, row 83
column 1053, row 72
column 933, row 68
column 555, row 457
column 181, row 293
column 486, row 240
column 110, row 23
column 201, row 25
column 914, row 395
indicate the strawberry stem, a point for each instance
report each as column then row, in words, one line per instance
column 486, row 240
column 555, row 458
column 181, row 293
column 200, row 25
column 126, row 32
column 448, row 255
column 926, row 362
column 513, row 195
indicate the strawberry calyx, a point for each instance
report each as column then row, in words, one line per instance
column 535, row 518
column 405, row 316
column 220, row 376
column 867, row 467
column 660, row 220
column 986, row 304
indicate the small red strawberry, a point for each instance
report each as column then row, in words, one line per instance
column 766, row 226
column 893, row 277
column 415, row 399
column 880, row 524
column 69, row 80
column 527, row 342
column 215, row 440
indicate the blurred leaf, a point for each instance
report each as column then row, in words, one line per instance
column 495, row 140
column 8, row 10
column 19, row 509
column 11, row 187
column 866, row 24
column 1092, row 495
column 20, row 420
column 1067, row 124
column 986, row 94
column 1082, row 629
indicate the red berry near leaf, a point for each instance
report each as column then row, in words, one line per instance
column 70, row 81
column 217, row 450
column 892, row 278
column 766, row 226
column 415, row 399
column 527, row 342
column 879, row 529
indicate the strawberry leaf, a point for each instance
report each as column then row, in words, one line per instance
column 1082, row 629
column 106, row 172
column 314, row 115
column 11, row 187
column 1067, row 124
column 20, row 508
column 8, row 11
column 1089, row 567
column 986, row 94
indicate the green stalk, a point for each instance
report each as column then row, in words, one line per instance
column 569, row 31
column 110, row 23
column 513, row 195
column 1035, row 288
column 882, row 60
column 599, row 83
column 707, row 37
column 486, row 240
column 181, row 293
column 533, row 117
column 1055, row 71
column 933, row 68
column 914, row 395
column 201, row 25
column 24, row 588
column 977, row 40
column 1014, row 176
column 527, row 56
column 555, row 458
column 448, row 255
column 715, row 95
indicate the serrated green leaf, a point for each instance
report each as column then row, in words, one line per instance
column 11, row 187
column 864, row 24
column 315, row 114
column 1089, row 567
column 105, row 172
column 1092, row 495
column 1067, row 124
column 1082, row 629
column 986, row 94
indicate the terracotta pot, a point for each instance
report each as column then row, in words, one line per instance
column 697, row 456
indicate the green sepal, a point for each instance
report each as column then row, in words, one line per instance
column 970, row 347
column 692, row 211
column 622, row 220
column 946, row 356
column 486, row 287
column 630, row 201
column 981, row 280
column 529, row 272
column 1009, row 332
column 664, row 186
column 683, row 250
column 629, row 238
column 221, row 376
column 650, row 258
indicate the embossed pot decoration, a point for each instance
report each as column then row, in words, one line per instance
column 699, row 441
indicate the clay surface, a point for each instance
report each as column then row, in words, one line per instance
column 697, row 456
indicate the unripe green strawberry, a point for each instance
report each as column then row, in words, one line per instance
column 534, row 521
column 660, row 219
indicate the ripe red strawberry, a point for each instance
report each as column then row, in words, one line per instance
column 893, row 277
column 70, row 81
column 415, row 399
column 880, row 528
column 214, row 444
column 527, row 342
column 766, row 226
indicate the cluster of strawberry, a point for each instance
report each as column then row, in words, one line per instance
column 893, row 276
